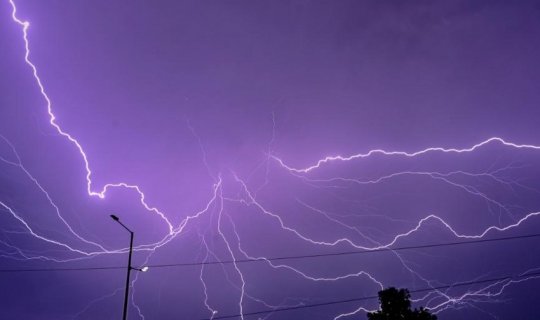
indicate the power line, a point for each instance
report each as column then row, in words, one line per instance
column 353, row 252
column 188, row 264
column 62, row 269
column 459, row 284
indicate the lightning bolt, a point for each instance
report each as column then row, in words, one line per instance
column 52, row 120
column 329, row 159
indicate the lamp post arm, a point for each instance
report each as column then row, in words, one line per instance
column 123, row 225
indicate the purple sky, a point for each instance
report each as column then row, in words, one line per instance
column 203, row 123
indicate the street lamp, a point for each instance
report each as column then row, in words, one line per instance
column 143, row 269
column 126, row 296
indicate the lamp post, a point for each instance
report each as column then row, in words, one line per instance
column 126, row 297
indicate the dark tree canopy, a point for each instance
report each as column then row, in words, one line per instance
column 395, row 305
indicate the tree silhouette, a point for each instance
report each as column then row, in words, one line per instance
column 395, row 305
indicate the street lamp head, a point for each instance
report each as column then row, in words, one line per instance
column 115, row 218
column 143, row 269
